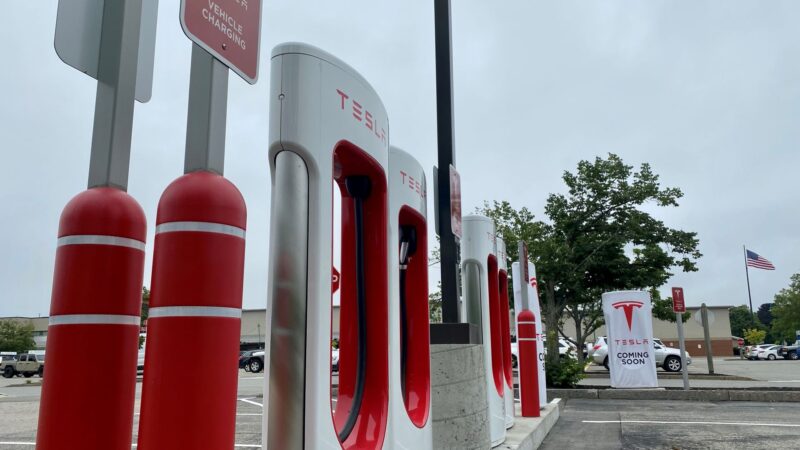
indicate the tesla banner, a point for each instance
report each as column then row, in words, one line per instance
column 629, row 321
column 533, row 301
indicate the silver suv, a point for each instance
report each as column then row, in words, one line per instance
column 668, row 358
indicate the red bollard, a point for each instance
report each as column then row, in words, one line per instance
column 528, row 359
column 193, row 328
column 95, row 307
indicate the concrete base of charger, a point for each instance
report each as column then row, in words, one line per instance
column 528, row 433
column 459, row 408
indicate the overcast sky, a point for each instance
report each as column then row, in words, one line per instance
column 708, row 92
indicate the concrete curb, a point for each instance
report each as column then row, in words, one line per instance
column 678, row 376
column 700, row 395
column 528, row 433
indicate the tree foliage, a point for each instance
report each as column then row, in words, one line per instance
column 754, row 336
column 16, row 335
column 786, row 311
column 145, row 304
column 599, row 236
column 741, row 319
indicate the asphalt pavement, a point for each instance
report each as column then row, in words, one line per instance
column 636, row 424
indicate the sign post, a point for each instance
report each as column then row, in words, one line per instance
column 679, row 307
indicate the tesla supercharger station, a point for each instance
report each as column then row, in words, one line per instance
column 409, row 328
column 505, row 331
column 328, row 128
column 479, row 270
column 533, row 300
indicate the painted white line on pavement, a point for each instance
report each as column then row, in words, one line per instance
column 247, row 400
column 785, row 381
column 669, row 422
column 251, row 378
column 17, row 443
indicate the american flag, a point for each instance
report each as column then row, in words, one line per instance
column 758, row 261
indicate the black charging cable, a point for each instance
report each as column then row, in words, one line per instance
column 408, row 246
column 358, row 187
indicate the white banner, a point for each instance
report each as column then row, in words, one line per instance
column 533, row 301
column 629, row 323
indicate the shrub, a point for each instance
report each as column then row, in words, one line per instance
column 567, row 373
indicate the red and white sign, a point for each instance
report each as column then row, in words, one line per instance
column 335, row 278
column 228, row 29
column 455, row 201
column 740, row 341
column 631, row 354
column 678, row 305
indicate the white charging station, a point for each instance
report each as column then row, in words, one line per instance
column 327, row 127
column 505, row 331
column 409, row 328
column 479, row 270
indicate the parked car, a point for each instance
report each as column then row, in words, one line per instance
column 565, row 348
column 244, row 358
column 26, row 364
column 751, row 352
column 770, row 353
column 140, row 362
column 790, row 351
column 255, row 363
column 668, row 358
column 335, row 359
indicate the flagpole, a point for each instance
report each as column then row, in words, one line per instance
column 747, row 274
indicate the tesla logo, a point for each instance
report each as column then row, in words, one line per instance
column 627, row 307
column 362, row 115
column 413, row 184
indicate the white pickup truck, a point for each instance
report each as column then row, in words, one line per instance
column 26, row 364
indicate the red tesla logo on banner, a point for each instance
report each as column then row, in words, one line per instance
column 628, row 307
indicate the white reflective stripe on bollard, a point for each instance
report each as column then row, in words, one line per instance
column 94, row 319
column 207, row 227
column 194, row 311
column 99, row 239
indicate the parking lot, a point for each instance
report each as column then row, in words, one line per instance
column 636, row 424
column 19, row 411
column 584, row 423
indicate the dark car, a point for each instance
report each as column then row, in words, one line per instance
column 244, row 358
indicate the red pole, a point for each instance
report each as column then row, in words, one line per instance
column 191, row 361
column 95, row 307
column 528, row 360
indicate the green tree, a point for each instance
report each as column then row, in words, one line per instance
column 754, row 336
column 145, row 304
column 598, row 237
column 741, row 318
column 16, row 335
column 786, row 311
column 435, row 305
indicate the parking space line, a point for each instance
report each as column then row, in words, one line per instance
column 785, row 381
column 670, row 422
column 17, row 443
column 246, row 400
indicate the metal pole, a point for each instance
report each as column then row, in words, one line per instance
column 681, row 340
column 747, row 274
column 116, row 90
column 707, row 336
column 446, row 156
column 208, row 104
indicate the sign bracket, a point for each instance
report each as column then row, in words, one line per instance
column 116, row 89
column 207, row 115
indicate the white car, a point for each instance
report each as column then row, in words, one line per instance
column 770, row 353
column 752, row 351
column 565, row 348
column 668, row 358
